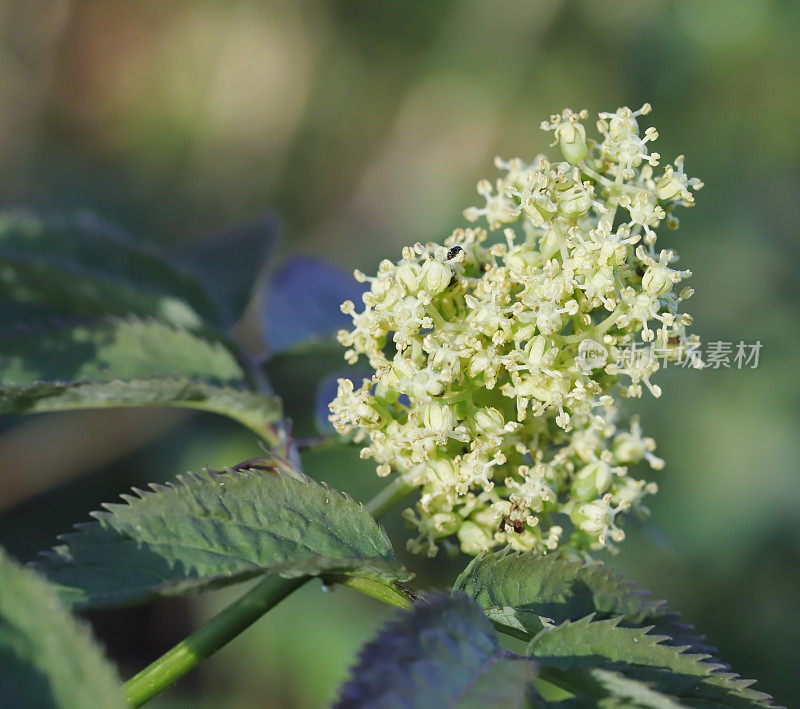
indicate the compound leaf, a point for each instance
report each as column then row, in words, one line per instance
column 443, row 653
column 48, row 659
column 213, row 530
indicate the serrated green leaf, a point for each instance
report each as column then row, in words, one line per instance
column 520, row 591
column 613, row 690
column 78, row 266
column 213, row 530
column 125, row 363
column 587, row 644
column 48, row 660
column 442, row 653
column 253, row 410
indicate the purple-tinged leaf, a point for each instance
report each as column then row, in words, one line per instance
column 302, row 302
column 443, row 653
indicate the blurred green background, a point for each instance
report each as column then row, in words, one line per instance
column 364, row 126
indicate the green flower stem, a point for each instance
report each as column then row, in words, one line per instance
column 389, row 497
column 216, row 633
column 388, row 593
column 241, row 614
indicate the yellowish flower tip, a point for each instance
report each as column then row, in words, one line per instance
column 499, row 356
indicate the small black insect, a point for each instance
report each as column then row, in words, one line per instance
column 517, row 525
column 455, row 251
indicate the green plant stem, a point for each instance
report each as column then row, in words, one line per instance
column 216, row 633
column 388, row 593
column 388, row 497
column 241, row 614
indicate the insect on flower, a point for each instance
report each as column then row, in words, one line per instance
column 497, row 355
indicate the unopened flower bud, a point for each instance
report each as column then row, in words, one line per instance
column 445, row 523
column 657, row 279
column 592, row 481
column 436, row 276
column 572, row 138
column 489, row 421
column 410, row 276
column 443, row 471
column 474, row 539
column 438, row 417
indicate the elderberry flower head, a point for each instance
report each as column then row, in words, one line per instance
column 499, row 356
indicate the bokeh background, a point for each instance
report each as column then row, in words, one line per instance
column 364, row 126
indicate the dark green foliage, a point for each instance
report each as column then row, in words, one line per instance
column 230, row 263
column 47, row 659
column 113, row 348
column 572, row 648
column 521, row 591
column 597, row 635
column 613, row 690
column 81, row 267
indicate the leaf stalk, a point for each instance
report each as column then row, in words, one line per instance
column 212, row 636
column 241, row 614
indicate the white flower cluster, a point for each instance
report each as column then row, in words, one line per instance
column 496, row 359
